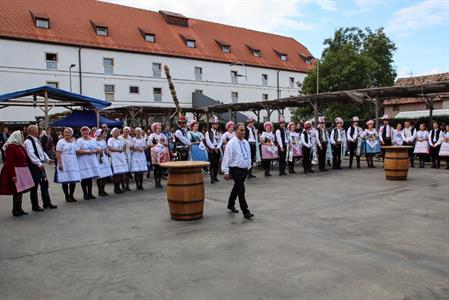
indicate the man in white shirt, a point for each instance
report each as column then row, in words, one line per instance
column 322, row 142
column 408, row 138
column 214, row 143
column 282, row 142
column 251, row 137
column 435, row 144
column 182, row 141
column 236, row 163
column 37, row 157
column 306, row 148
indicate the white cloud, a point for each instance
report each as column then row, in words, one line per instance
column 365, row 6
column 404, row 72
column 432, row 71
column 269, row 16
column 425, row 14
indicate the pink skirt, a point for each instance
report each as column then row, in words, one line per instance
column 422, row 147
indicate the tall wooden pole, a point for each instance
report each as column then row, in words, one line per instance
column 46, row 110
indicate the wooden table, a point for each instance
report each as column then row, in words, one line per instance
column 396, row 162
column 185, row 189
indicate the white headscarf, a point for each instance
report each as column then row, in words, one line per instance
column 15, row 138
column 98, row 132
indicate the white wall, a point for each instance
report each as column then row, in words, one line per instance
column 23, row 65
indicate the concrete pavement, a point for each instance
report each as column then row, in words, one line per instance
column 346, row 234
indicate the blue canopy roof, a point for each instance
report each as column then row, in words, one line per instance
column 56, row 94
column 79, row 118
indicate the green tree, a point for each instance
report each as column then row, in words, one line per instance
column 352, row 59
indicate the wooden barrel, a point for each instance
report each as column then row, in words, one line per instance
column 396, row 162
column 185, row 190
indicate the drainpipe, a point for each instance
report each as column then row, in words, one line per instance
column 79, row 71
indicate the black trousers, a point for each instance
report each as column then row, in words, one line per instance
column 352, row 152
column 434, row 151
column 336, row 152
column 183, row 154
column 238, row 190
column 411, row 155
column 253, row 148
column 40, row 179
column 387, row 142
column 214, row 159
column 306, row 159
column 322, row 156
column 266, row 165
column 282, row 157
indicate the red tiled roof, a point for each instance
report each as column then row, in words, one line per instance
column 416, row 81
column 70, row 24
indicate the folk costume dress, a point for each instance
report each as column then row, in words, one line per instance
column 138, row 159
column 422, row 142
column 70, row 168
column 159, row 151
column 397, row 138
column 118, row 159
column 88, row 163
column 104, row 165
column 225, row 138
column 444, row 149
column 198, row 150
column 372, row 145
column 293, row 150
column 268, row 150
column 15, row 156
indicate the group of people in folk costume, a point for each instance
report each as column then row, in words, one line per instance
column 121, row 155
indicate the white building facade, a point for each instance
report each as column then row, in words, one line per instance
column 131, row 78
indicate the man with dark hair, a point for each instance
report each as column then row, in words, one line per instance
column 213, row 144
column 236, row 164
column 408, row 139
column 251, row 137
column 182, row 142
column 435, row 144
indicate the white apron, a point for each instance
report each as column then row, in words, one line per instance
column 70, row 168
column 444, row 150
column 127, row 149
column 88, row 163
column 104, row 165
column 118, row 159
column 138, row 158
column 422, row 143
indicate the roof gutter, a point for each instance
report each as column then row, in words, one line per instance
column 79, row 71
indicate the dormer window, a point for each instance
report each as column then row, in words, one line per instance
column 190, row 43
column 225, row 47
column 307, row 59
column 188, row 40
column 100, row 28
column 101, row 31
column 149, row 37
column 40, row 20
column 283, row 57
column 257, row 53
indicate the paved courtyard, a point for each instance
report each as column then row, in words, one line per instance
column 346, row 234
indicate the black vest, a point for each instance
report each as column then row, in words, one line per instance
column 282, row 136
column 306, row 136
column 34, row 146
column 435, row 132
column 321, row 134
column 178, row 141
column 247, row 133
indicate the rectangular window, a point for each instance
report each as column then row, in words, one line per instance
column 234, row 76
column 52, row 61
column 226, row 49
column 199, row 91
column 264, row 79
column 198, row 73
column 42, row 23
column 157, row 68
column 157, row 93
column 108, row 64
column 101, row 31
column 150, row 37
column 291, row 80
column 134, row 90
column 235, row 97
column 283, row 57
column 190, row 44
column 257, row 53
column 109, row 92
column 264, row 97
column 53, row 84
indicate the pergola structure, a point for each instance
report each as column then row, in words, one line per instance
column 370, row 95
column 46, row 98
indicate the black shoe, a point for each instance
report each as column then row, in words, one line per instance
column 38, row 208
column 359, row 167
column 311, row 171
column 233, row 209
column 86, row 197
column 248, row 215
column 91, row 196
column 325, row 170
column 216, row 180
column 373, row 166
column 212, row 181
column 50, row 206
column 16, row 213
column 251, row 176
column 306, row 172
column 24, row 213
column 128, row 189
column 70, row 199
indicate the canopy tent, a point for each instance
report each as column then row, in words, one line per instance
column 46, row 98
column 79, row 118
column 421, row 114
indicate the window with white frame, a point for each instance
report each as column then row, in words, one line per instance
column 51, row 60
column 283, row 57
column 149, row 37
column 102, row 31
column 235, row 97
column 226, row 49
column 264, row 97
column 234, row 77
column 291, row 80
column 264, row 79
column 257, row 53
column 198, row 73
column 109, row 92
column 190, row 44
column 53, row 84
column 134, row 89
column 157, row 94
column 42, row 23
column 108, row 65
column 157, row 69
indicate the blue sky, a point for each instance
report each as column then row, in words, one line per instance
column 419, row 28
